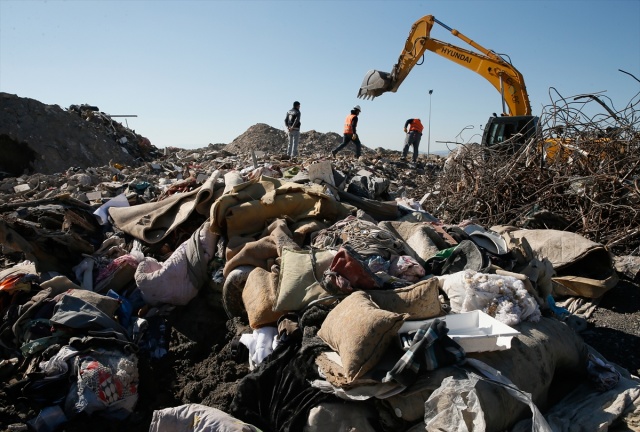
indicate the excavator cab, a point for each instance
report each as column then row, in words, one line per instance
column 509, row 131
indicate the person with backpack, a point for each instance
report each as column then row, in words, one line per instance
column 292, row 124
column 412, row 138
column 349, row 133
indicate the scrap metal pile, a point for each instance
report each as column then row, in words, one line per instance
column 590, row 185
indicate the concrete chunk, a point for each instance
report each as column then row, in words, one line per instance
column 93, row 196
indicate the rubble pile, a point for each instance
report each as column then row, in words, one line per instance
column 238, row 286
column 268, row 139
column 39, row 138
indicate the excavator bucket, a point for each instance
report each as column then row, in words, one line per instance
column 374, row 84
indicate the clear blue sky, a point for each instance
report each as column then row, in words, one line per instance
column 200, row 72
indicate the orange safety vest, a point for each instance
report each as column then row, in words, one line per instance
column 348, row 129
column 416, row 125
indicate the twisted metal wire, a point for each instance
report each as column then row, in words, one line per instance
column 592, row 187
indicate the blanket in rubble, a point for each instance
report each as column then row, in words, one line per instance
column 246, row 208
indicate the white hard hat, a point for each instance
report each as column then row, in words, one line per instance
column 357, row 107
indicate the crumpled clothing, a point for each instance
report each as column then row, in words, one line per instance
column 602, row 376
column 118, row 273
column 122, row 261
column 350, row 265
column 151, row 337
column 57, row 364
column 430, row 349
column 378, row 264
column 407, row 268
column 260, row 343
column 84, row 272
column 76, row 313
column 18, row 282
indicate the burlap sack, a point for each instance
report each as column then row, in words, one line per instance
column 297, row 285
column 418, row 301
column 583, row 267
column 262, row 252
column 360, row 332
column 258, row 297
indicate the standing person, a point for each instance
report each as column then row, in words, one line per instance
column 292, row 124
column 350, row 135
column 413, row 137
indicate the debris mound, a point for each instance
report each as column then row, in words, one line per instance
column 262, row 137
column 40, row 138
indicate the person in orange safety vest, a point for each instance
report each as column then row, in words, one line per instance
column 349, row 133
column 414, row 134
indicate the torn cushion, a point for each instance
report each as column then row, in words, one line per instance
column 360, row 332
column 503, row 297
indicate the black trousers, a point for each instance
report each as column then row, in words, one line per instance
column 413, row 139
column 346, row 139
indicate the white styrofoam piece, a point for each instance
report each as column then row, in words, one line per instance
column 475, row 331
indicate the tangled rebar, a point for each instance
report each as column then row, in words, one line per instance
column 581, row 173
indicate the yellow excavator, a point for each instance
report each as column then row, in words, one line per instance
column 514, row 126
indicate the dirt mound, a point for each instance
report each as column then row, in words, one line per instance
column 36, row 137
column 263, row 137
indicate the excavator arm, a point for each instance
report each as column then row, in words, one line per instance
column 500, row 73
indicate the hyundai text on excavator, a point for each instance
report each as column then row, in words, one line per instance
column 514, row 126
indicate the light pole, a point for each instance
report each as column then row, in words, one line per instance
column 429, row 131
